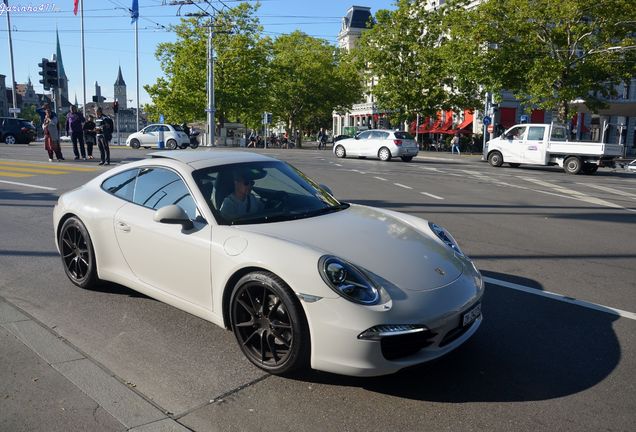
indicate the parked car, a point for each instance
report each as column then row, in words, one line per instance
column 632, row 166
column 339, row 137
column 173, row 137
column 16, row 131
column 384, row 144
column 302, row 279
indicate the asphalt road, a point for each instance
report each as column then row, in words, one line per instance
column 556, row 350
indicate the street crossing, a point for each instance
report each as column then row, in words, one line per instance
column 19, row 169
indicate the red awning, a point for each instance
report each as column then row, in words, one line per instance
column 463, row 127
column 424, row 127
column 447, row 124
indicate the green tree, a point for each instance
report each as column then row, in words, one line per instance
column 413, row 58
column 241, row 56
column 548, row 52
column 309, row 79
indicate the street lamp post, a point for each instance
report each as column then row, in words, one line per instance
column 15, row 106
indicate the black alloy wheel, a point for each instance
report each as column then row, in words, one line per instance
column 268, row 323
column 77, row 253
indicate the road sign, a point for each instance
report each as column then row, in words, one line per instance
column 14, row 110
column 487, row 120
column 490, row 128
column 523, row 119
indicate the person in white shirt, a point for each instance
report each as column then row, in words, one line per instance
column 241, row 201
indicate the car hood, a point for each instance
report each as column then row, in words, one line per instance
column 378, row 241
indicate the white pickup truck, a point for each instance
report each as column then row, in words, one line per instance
column 547, row 144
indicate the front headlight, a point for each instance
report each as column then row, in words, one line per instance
column 348, row 281
column 446, row 237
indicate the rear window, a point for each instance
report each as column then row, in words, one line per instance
column 403, row 135
column 177, row 128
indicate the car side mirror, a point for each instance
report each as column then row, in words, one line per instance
column 173, row 214
column 327, row 188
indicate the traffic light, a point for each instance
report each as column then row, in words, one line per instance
column 115, row 107
column 44, row 66
column 268, row 118
column 48, row 73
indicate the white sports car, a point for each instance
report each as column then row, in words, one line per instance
column 250, row 243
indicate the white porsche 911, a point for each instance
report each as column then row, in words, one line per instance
column 250, row 243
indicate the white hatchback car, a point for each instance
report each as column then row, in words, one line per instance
column 380, row 143
column 173, row 137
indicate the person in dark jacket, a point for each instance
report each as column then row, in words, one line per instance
column 89, row 134
column 75, row 128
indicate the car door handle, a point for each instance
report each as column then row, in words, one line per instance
column 123, row 226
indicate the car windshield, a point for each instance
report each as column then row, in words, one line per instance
column 262, row 192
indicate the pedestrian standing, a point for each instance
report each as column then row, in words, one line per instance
column 103, row 135
column 455, row 144
column 322, row 139
column 89, row 135
column 51, row 135
column 75, row 128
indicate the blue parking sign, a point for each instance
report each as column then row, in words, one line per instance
column 487, row 120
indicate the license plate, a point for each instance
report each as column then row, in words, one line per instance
column 471, row 315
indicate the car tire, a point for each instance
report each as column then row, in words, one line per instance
column 9, row 139
column 340, row 152
column 194, row 144
column 514, row 165
column 134, row 143
column 171, row 144
column 573, row 165
column 495, row 159
column 384, row 154
column 269, row 324
column 78, row 255
column 406, row 158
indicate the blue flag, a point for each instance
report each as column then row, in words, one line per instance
column 134, row 11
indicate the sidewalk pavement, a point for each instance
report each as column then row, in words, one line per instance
column 46, row 384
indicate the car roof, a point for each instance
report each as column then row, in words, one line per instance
column 210, row 157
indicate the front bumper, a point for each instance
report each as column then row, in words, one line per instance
column 336, row 324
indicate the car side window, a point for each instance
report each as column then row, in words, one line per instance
column 159, row 187
column 536, row 133
column 380, row 135
column 121, row 185
column 365, row 135
column 150, row 129
column 164, row 128
column 517, row 133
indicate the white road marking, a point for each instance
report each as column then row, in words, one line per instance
column 337, row 164
column 431, row 169
column 562, row 298
column 28, row 185
column 403, row 186
column 380, row 178
column 432, row 196
column 610, row 190
column 573, row 194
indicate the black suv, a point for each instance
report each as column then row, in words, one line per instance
column 16, row 131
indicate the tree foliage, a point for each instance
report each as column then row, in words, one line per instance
column 409, row 53
column 241, row 56
column 548, row 52
column 309, row 79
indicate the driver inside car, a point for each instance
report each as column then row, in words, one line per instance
column 241, row 201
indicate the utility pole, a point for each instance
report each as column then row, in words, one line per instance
column 211, row 108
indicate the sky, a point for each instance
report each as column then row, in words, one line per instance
column 109, row 36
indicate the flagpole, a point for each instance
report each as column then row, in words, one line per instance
column 137, row 64
column 15, row 106
column 83, row 57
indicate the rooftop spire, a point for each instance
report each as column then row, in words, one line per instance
column 58, row 57
column 120, row 79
